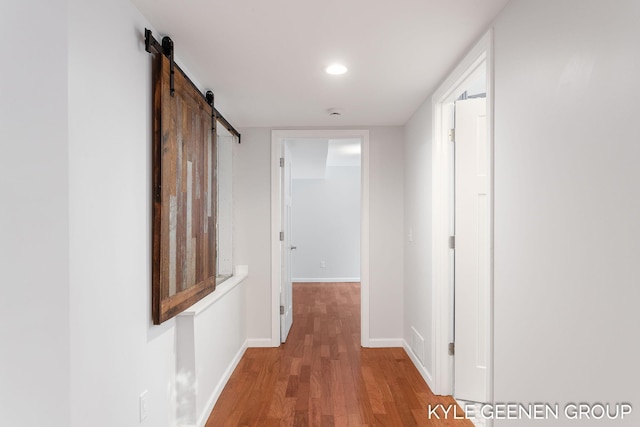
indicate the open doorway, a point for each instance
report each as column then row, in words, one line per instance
column 305, row 255
column 321, row 216
column 325, row 216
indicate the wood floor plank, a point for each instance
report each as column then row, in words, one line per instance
column 321, row 376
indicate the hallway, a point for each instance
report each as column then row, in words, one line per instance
column 322, row 377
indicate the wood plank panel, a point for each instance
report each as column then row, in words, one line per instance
column 184, row 243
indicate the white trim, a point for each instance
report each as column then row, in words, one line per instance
column 385, row 342
column 259, row 342
column 220, row 386
column 364, row 241
column 426, row 375
column 326, row 280
column 276, row 154
column 482, row 53
column 491, row 123
column 277, row 138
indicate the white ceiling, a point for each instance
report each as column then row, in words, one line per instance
column 264, row 60
column 310, row 157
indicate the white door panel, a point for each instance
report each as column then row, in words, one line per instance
column 472, row 274
column 286, row 291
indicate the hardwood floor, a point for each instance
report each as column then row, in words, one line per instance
column 322, row 377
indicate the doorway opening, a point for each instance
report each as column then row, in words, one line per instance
column 306, row 156
column 325, row 215
column 463, row 229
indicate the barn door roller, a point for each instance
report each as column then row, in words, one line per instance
column 166, row 48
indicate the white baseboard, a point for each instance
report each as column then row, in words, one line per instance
column 211, row 402
column 385, row 342
column 426, row 375
column 259, row 342
column 326, row 279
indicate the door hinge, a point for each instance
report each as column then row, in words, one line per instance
column 282, row 236
column 282, row 309
column 452, row 242
column 281, row 162
column 452, row 349
column 452, row 135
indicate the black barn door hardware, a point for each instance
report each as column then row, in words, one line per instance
column 167, row 49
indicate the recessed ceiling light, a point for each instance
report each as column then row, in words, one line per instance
column 336, row 69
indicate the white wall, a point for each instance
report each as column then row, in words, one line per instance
column 34, row 223
column 567, row 203
column 116, row 352
column 386, row 222
column 224, row 172
column 206, row 354
column 252, row 226
column 252, row 165
column 566, row 206
column 216, row 347
column 326, row 226
column 417, row 222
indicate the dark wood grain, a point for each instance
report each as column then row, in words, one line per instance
column 184, row 244
column 322, row 377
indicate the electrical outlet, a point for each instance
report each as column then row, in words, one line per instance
column 323, row 264
column 143, row 405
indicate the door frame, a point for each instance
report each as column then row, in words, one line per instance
column 442, row 308
column 277, row 143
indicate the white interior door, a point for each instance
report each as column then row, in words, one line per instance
column 472, row 250
column 286, row 291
